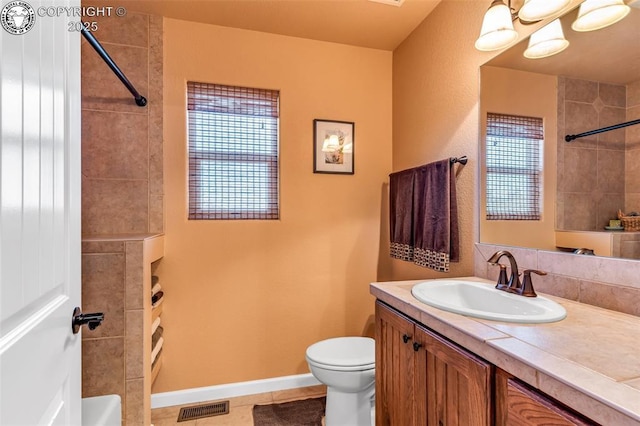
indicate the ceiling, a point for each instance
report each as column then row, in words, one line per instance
column 610, row 55
column 362, row 23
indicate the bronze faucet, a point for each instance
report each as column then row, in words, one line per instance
column 527, row 284
column 514, row 279
column 513, row 285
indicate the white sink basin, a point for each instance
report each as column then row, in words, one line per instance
column 484, row 301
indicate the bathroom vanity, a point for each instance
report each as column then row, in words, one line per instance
column 437, row 367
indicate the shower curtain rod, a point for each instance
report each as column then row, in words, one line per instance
column 140, row 100
column 569, row 138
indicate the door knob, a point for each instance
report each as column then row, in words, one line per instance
column 92, row 320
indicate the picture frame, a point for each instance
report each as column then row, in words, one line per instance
column 333, row 146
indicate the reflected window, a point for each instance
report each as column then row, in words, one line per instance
column 514, row 167
column 233, row 152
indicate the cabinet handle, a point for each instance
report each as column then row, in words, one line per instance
column 416, row 346
column 406, row 338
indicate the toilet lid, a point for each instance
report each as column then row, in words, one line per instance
column 343, row 352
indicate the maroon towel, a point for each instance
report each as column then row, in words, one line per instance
column 424, row 215
column 401, row 214
column 435, row 217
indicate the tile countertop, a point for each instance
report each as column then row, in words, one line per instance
column 590, row 361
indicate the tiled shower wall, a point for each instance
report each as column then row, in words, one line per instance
column 113, row 354
column 632, row 161
column 598, row 174
column 591, row 170
column 122, row 142
column 122, row 193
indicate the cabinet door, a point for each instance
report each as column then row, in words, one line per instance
column 395, row 368
column 458, row 383
column 528, row 407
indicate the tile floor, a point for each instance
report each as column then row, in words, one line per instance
column 240, row 408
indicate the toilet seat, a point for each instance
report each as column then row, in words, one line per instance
column 343, row 354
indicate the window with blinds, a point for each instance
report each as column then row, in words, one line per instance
column 514, row 167
column 233, row 152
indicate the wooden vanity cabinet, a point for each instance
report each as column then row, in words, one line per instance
column 397, row 393
column 423, row 379
column 522, row 405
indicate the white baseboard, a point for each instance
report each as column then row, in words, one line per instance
column 231, row 390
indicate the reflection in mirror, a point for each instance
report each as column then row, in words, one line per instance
column 593, row 83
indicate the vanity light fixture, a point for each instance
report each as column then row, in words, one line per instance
column 497, row 26
column 596, row 14
column 537, row 10
column 498, row 32
column 547, row 41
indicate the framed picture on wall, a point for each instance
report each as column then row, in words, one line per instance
column 333, row 143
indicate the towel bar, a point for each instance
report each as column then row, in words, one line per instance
column 462, row 160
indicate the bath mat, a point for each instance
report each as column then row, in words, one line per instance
column 306, row 412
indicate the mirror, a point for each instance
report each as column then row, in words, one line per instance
column 592, row 84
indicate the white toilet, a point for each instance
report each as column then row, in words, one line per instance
column 347, row 366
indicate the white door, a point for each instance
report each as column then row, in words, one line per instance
column 40, row 376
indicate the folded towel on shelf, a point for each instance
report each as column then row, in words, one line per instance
column 155, row 325
column 157, row 297
column 423, row 215
column 435, row 216
column 156, row 336
column 156, row 349
column 157, row 302
column 156, row 288
column 401, row 214
column 153, row 363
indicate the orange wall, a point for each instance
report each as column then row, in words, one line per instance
column 529, row 94
column 245, row 298
column 436, row 110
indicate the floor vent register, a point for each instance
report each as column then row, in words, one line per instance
column 204, row 410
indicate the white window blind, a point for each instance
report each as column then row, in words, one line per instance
column 514, row 167
column 233, row 152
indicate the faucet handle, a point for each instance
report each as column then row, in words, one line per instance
column 527, row 283
column 502, row 277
